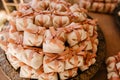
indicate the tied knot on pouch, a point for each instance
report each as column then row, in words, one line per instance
column 60, row 57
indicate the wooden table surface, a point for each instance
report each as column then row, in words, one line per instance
column 112, row 37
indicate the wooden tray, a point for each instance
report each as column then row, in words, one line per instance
column 86, row 75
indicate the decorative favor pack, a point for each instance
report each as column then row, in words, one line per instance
column 47, row 38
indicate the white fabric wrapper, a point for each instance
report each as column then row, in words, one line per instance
column 85, row 4
column 106, row 1
column 51, row 67
column 24, row 54
column 79, row 16
column 32, row 39
column 33, row 28
column 86, row 66
column 69, row 64
column 28, row 72
column 3, row 40
column 111, row 64
column 95, row 45
column 72, row 37
column 51, row 47
column 43, row 20
column 113, row 76
column 60, row 21
column 25, row 9
column 74, row 8
column 38, row 5
column 58, row 6
column 92, row 61
column 13, row 60
column 48, row 76
column 111, row 1
column 99, row 7
column 88, row 45
column 109, row 7
column 68, row 74
column 21, row 23
column 91, row 29
column 17, row 37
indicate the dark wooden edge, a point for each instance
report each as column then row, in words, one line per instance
column 116, row 16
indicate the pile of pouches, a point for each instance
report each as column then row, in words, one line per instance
column 50, row 38
column 113, row 67
column 102, row 6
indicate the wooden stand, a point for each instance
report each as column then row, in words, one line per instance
column 14, row 3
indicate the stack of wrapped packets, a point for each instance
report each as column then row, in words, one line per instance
column 102, row 6
column 113, row 67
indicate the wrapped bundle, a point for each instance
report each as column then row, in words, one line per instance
column 111, row 1
column 78, row 14
column 28, row 72
column 97, row 7
column 94, row 42
column 76, row 35
column 68, row 74
column 85, row 4
column 13, row 60
column 90, row 29
column 60, row 21
column 88, row 44
column 84, row 67
column 52, row 64
column 38, row 5
column 91, row 41
column 33, row 35
column 94, row 45
column 104, row 1
column 89, row 59
column 113, row 76
column 59, row 6
column 30, row 56
column 111, row 64
column 50, row 37
column 48, row 76
column 104, row 6
column 22, row 23
column 109, row 7
column 75, row 57
column 113, row 67
column 74, row 61
column 4, row 40
column 43, row 20
column 15, row 37
column 107, row 1
column 25, row 10
column 51, row 44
